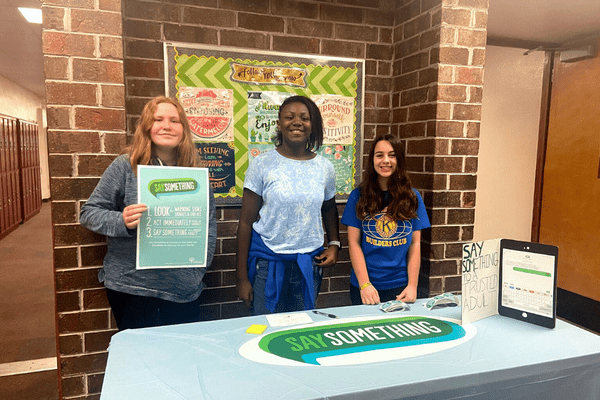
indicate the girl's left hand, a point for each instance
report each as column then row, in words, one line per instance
column 328, row 257
column 132, row 215
column 408, row 295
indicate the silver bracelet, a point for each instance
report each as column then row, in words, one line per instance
column 335, row 243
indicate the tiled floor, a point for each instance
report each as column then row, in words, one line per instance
column 27, row 317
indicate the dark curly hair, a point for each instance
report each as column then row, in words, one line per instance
column 316, row 122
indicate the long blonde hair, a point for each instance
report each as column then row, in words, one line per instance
column 140, row 152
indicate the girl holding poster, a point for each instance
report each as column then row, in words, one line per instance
column 153, row 297
column 384, row 218
column 289, row 193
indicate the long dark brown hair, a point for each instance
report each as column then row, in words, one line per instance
column 403, row 202
column 140, row 152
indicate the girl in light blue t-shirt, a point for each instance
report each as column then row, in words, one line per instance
column 289, row 193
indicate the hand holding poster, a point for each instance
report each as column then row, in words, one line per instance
column 173, row 233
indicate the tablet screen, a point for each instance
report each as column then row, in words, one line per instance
column 528, row 282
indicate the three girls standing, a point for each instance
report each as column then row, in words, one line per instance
column 289, row 195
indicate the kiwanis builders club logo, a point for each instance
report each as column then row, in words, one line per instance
column 383, row 231
column 352, row 341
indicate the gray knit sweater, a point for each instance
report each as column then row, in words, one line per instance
column 103, row 214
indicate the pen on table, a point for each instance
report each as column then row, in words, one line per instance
column 325, row 314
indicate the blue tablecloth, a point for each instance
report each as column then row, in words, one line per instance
column 507, row 359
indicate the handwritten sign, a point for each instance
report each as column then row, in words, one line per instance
column 480, row 278
column 173, row 233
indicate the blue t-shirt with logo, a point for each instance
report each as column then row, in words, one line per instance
column 385, row 243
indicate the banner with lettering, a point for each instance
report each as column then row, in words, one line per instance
column 355, row 341
column 232, row 99
column 173, row 233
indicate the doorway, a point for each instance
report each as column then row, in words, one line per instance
column 570, row 212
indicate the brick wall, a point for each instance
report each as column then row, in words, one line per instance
column 103, row 60
column 347, row 29
column 436, row 106
column 460, row 91
column 83, row 66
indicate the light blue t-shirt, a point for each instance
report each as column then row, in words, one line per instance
column 293, row 192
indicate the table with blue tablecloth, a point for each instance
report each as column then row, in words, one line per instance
column 503, row 359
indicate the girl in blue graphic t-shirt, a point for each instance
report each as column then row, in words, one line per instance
column 289, row 194
column 384, row 218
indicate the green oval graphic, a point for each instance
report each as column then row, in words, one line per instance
column 342, row 343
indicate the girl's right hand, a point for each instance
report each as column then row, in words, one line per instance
column 369, row 295
column 245, row 292
column 132, row 214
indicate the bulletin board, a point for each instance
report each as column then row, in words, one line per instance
column 232, row 100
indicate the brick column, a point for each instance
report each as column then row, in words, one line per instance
column 460, row 90
column 83, row 65
column 436, row 104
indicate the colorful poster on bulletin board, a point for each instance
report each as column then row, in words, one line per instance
column 232, row 100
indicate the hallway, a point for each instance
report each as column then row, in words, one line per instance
column 28, row 366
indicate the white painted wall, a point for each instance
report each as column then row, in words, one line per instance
column 510, row 119
column 17, row 102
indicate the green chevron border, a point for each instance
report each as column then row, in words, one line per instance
column 198, row 68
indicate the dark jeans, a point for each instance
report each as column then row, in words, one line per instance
column 292, row 292
column 132, row 311
column 384, row 295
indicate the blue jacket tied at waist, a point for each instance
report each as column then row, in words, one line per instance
column 276, row 272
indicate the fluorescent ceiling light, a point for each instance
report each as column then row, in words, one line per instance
column 32, row 15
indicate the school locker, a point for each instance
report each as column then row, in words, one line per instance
column 20, row 173
column 3, row 181
column 29, row 169
column 11, row 191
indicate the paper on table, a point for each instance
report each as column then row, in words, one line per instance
column 256, row 329
column 288, row 319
